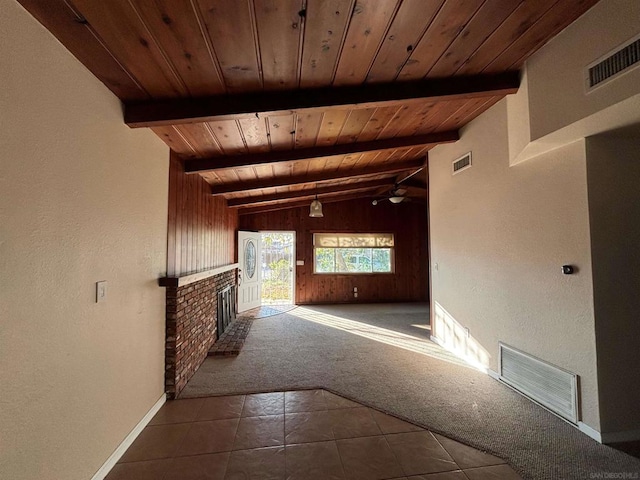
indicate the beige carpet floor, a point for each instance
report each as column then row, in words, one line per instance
column 380, row 355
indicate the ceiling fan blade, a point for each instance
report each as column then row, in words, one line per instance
column 400, row 192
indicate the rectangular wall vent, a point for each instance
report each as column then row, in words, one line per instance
column 614, row 64
column 462, row 163
column 550, row 386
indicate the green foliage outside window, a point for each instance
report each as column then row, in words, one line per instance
column 277, row 268
column 352, row 260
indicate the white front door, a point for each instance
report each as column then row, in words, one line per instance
column 249, row 280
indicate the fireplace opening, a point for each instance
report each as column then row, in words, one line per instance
column 226, row 308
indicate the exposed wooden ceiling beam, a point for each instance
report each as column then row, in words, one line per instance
column 274, row 197
column 224, row 107
column 199, row 165
column 314, row 178
column 413, row 183
column 301, row 203
column 404, row 178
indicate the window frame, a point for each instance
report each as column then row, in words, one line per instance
column 392, row 259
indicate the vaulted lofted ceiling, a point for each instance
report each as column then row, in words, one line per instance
column 273, row 101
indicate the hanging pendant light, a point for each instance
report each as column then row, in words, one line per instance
column 315, row 210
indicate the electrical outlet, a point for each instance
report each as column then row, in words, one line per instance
column 101, row 291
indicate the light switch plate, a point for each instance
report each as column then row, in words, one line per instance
column 101, row 291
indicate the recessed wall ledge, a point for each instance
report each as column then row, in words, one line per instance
column 618, row 116
column 194, row 277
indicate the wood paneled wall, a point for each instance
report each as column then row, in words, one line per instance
column 407, row 221
column 201, row 228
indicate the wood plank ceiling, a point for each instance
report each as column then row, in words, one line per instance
column 272, row 101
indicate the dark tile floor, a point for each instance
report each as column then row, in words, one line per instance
column 306, row 435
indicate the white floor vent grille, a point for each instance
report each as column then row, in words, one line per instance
column 550, row 386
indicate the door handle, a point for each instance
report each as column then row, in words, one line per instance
column 239, row 277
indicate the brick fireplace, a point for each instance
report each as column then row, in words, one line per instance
column 191, row 321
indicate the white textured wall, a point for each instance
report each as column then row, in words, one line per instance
column 613, row 172
column 500, row 234
column 556, row 72
column 518, row 120
column 82, row 198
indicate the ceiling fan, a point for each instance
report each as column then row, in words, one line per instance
column 397, row 194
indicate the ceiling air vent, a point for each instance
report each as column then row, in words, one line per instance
column 462, row 163
column 616, row 63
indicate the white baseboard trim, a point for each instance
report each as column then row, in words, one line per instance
column 589, row 431
column 104, row 470
column 618, row 437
